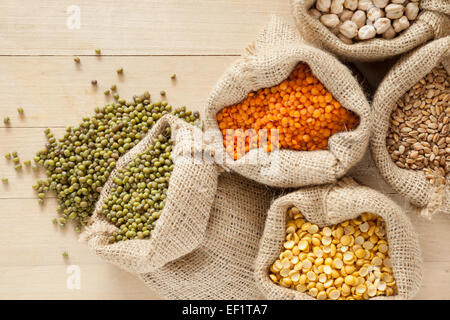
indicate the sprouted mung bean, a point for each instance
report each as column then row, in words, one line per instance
column 418, row 137
column 6, row 120
column 78, row 164
column 349, row 260
column 5, row 180
column 300, row 109
column 20, row 111
column 139, row 192
column 76, row 59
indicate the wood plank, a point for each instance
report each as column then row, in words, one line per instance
column 435, row 282
column 31, row 254
column 151, row 27
column 55, row 91
column 29, row 228
column 32, row 266
column 97, row 281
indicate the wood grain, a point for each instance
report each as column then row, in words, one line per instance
column 150, row 39
column 57, row 92
column 134, row 27
column 31, row 258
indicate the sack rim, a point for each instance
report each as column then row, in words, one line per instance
column 298, row 54
column 99, row 226
column 377, row 144
column 279, row 209
column 299, row 9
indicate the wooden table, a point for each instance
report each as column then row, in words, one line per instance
column 150, row 39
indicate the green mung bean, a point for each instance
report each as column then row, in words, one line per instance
column 139, row 193
column 78, row 165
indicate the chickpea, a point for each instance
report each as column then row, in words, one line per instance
column 412, row 10
column 346, row 15
column 351, row 4
column 323, row 5
column 382, row 25
column 400, row 24
column 389, row 33
column 337, row 6
column 394, row 11
column 330, row 20
column 367, row 32
column 365, row 5
column 359, row 17
column 380, row 3
column 374, row 13
column 349, row 29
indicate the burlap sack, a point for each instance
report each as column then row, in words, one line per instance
column 277, row 51
column 432, row 23
column 332, row 204
column 406, row 73
column 181, row 227
column 222, row 267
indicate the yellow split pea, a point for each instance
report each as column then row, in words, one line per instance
column 346, row 261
